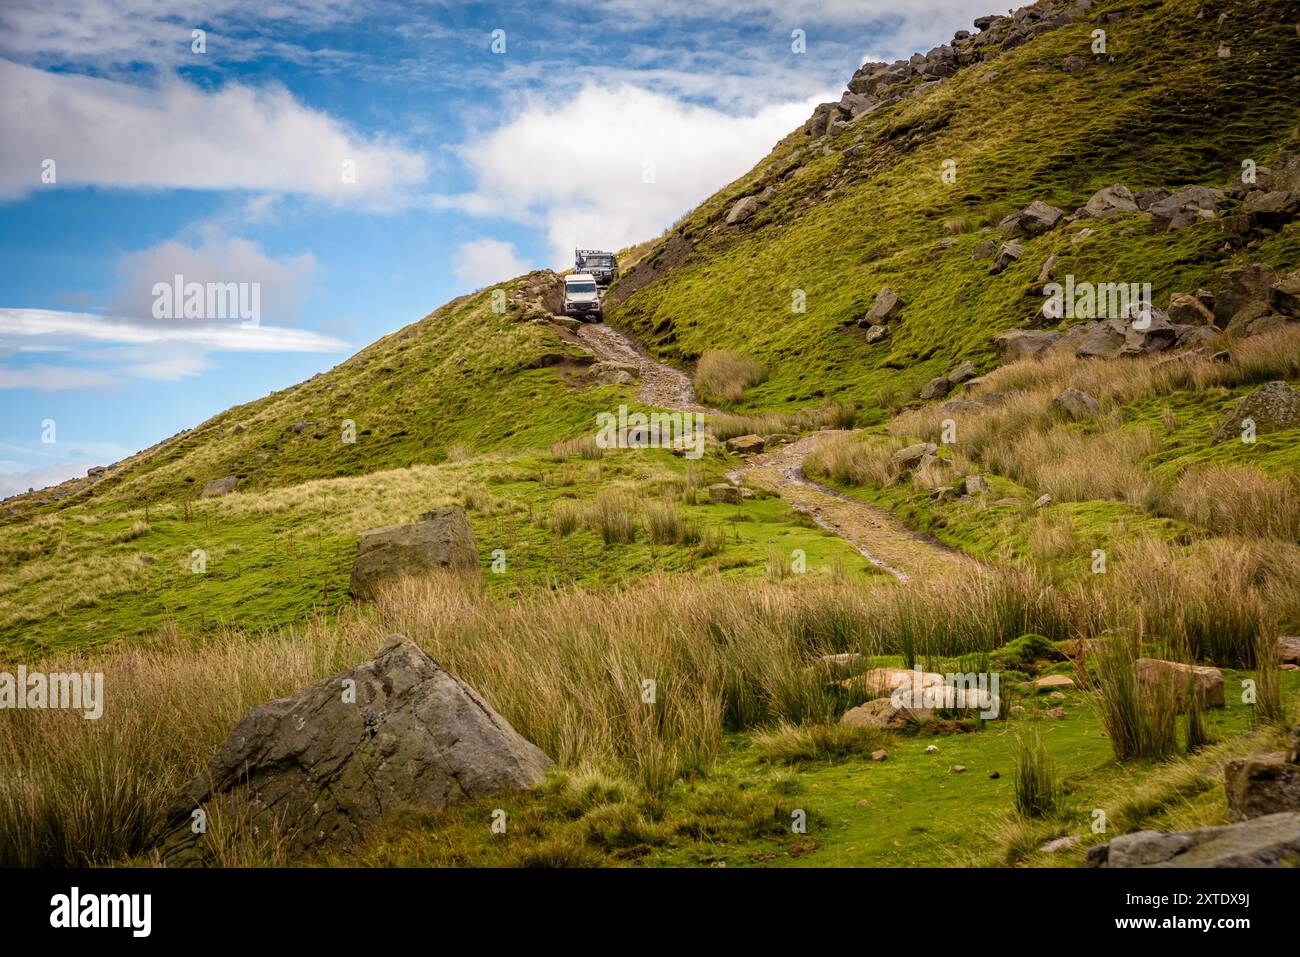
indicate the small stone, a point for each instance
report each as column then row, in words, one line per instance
column 879, row 755
column 958, row 768
column 931, row 749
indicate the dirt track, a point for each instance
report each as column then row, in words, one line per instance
column 880, row 537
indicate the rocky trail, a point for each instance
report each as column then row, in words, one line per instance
column 876, row 534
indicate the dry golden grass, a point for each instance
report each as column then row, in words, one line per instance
column 852, row 459
column 1238, row 500
column 723, row 376
column 832, row 415
column 569, row 670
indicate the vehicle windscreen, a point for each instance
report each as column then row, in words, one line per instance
column 601, row 261
column 581, row 287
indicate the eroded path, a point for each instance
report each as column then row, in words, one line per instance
column 662, row 386
column 876, row 534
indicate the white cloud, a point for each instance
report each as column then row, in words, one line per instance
column 102, row 132
column 12, row 483
column 20, row 324
column 579, row 167
column 44, row 378
column 215, row 257
column 485, row 261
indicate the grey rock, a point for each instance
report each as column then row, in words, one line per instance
column 1008, row 253
column 976, row 485
column 1186, row 207
column 1034, row 220
column 912, row 455
column 324, row 765
column 219, row 487
column 742, row 209
column 877, row 334
column 441, row 540
column 1273, row 407
column 936, row 388
column 1260, row 785
column 1024, row 343
column 962, row 372
column 724, row 493
column 1240, row 286
column 1111, row 201
column 1076, row 404
column 984, row 250
column 1146, row 198
column 1270, row 841
column 886, row 306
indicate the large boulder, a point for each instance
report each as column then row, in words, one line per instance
column 886, row 306
column 910, row 456
column 936, row 388
column 742, row 209
column 746, row 444
column 317, row 769
column 219, row 487
column 1024, row 343
column 1270, row 841
column 1261, row 784
column 880, row 714
column 1186, row 309
column 1241, row 286
column 1184, row 680
column 1111, row 201
column 1273, row 407
column 1186, row 207
column 441, row 540
column 1034, row 220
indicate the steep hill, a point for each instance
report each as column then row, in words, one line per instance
column 857, row 200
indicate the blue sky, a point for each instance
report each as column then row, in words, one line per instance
column 226, row 161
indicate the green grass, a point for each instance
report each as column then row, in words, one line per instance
column 911, row 810
column 284, row 555
column 1168, row 111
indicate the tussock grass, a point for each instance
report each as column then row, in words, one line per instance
column 568, row 670
column 797, row 744
column 1238, row 500
column 1037, row 789
column 833, row 415
column 723, row 376
column 1140, row 719
column 849, row 459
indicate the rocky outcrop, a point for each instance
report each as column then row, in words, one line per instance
column 1270, row 841
column 441, row 540
column 319, row 768
column 219, row 487
column 1273, row 407
column 1185, row 207
column 877, row 84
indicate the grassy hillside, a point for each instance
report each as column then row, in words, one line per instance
column 867, row 208
column 466, row 378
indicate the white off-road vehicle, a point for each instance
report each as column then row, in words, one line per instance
column 582, row 297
